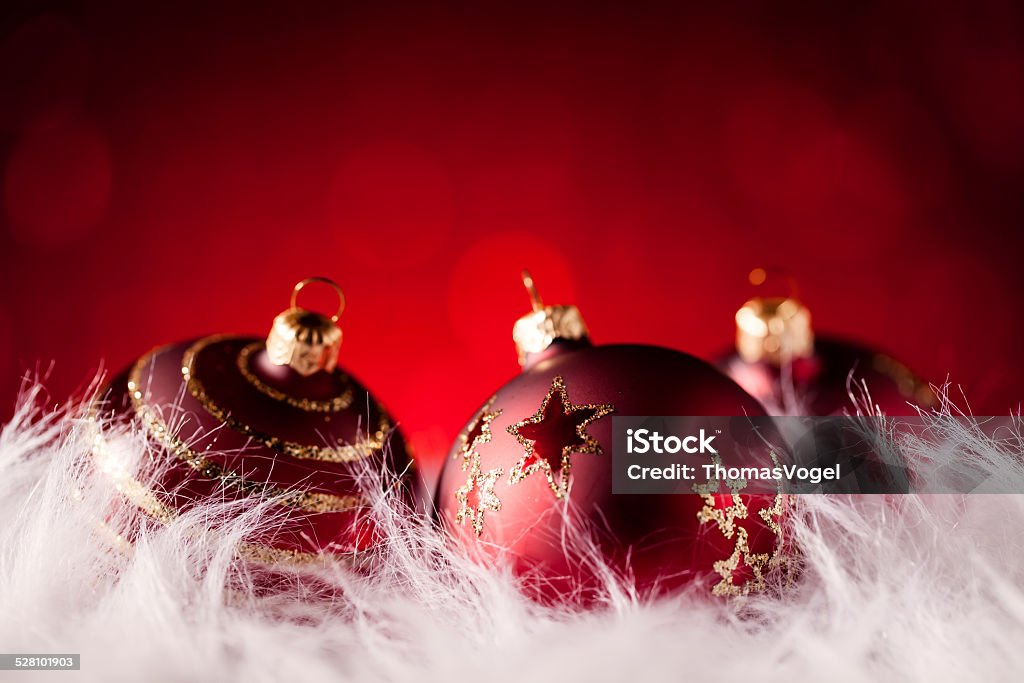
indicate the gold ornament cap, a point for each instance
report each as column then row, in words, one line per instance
column 539, row 329
column 304, row 340
column 776, row 330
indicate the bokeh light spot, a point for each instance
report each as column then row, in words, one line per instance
column 57, row 183
column 486, row 293
column 390, row 203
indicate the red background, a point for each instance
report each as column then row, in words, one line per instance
column 172, row 172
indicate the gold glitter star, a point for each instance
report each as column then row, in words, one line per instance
column 483, row 486
column 551, row 435
column 757, row 562
column 725, row 519
column 476, row 433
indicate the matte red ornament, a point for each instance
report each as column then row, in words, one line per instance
column 781, row 361
column 541, row 447
column 237, row 416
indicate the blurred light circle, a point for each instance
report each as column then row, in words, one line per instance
column 430, row 425
column 391, row 203
column 763, row 133
column 811, row 174
column 57, row 183
column 978, row 64
column 486, row 294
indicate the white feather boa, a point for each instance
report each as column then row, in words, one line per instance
column 908, row 588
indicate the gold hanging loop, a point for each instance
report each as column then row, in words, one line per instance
column 327, row 281
column 306, row 341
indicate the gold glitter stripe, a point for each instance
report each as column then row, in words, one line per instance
column 125, row 484
column 333, row 405
column 306, row 500
column 144, row 498
column 265, row 554
column 363, row 448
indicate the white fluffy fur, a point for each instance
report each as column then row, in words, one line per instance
column 909, row 588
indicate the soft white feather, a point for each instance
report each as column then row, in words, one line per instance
column 890, row 588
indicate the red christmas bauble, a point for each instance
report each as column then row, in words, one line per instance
column 238, row 416
column 542, row 442
column 792, row 371
column 822, row 383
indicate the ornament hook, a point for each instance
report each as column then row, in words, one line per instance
column 305, row 340
column 327, row 281
column 776, row 329
column 541, row 327
column 531, row 289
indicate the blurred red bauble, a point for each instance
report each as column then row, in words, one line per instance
column 792, row 371
column 237, row 416
column 539, row 448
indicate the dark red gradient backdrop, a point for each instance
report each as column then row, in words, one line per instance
column 171, row 172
